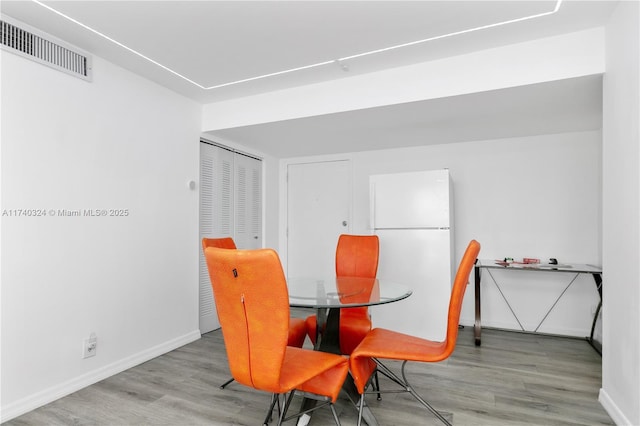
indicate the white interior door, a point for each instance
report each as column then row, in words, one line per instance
column 318, row 207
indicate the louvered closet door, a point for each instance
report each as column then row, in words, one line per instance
column 248, row 202
column 230, row 206
column 216, row 218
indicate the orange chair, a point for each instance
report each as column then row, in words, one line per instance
column 356, row 256
column 252, row 300
column 297, row 326
column 386, row 344
column 224, row 242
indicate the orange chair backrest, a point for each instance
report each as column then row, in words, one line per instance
column 457, row 293
column 225, row 243
column 357, row 256
column 252, row 301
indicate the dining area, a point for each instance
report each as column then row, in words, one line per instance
column 513, row 378
column 265, row 347
column 305, row 350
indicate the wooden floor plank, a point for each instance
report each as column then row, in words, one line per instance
column 512, row 379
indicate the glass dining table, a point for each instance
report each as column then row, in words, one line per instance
column 328, row 296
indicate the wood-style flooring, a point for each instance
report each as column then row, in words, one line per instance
column 512, row 379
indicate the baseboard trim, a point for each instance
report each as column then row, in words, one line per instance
column 53, row 393
column 612, row 409
column 558, row 331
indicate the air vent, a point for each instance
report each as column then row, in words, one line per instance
column 30, row 43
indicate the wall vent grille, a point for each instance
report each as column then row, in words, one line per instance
column 19, row 38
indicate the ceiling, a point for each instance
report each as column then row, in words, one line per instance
column 191, row 47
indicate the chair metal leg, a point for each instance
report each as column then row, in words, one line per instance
column 285, row 406
column 335, row 415
column 427, row 405
column 376, row 385
column 420, row 399
column 224, row 385
column 323, row 401
column 360, row 409
column 274, row 400
column 390, row 374
column 403, row 382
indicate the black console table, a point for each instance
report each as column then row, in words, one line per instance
column 573, row 268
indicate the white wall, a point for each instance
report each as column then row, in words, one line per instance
column 620, row 393
column 520, row 197
column 119, row 142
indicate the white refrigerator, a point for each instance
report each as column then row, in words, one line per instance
column 412, row 215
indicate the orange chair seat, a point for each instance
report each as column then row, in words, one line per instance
column 386, row 344
column 296, row 374
column 297, row 362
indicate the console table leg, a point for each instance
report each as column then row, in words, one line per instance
column 477, row 328
column 598, row 279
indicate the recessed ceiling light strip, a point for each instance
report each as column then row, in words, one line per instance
column 245, row 80
column 483, row 27
column 272, row 74
column 106, row 37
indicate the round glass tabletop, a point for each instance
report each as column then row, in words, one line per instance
column 343, row 292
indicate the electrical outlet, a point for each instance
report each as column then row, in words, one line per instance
column 90, row 346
